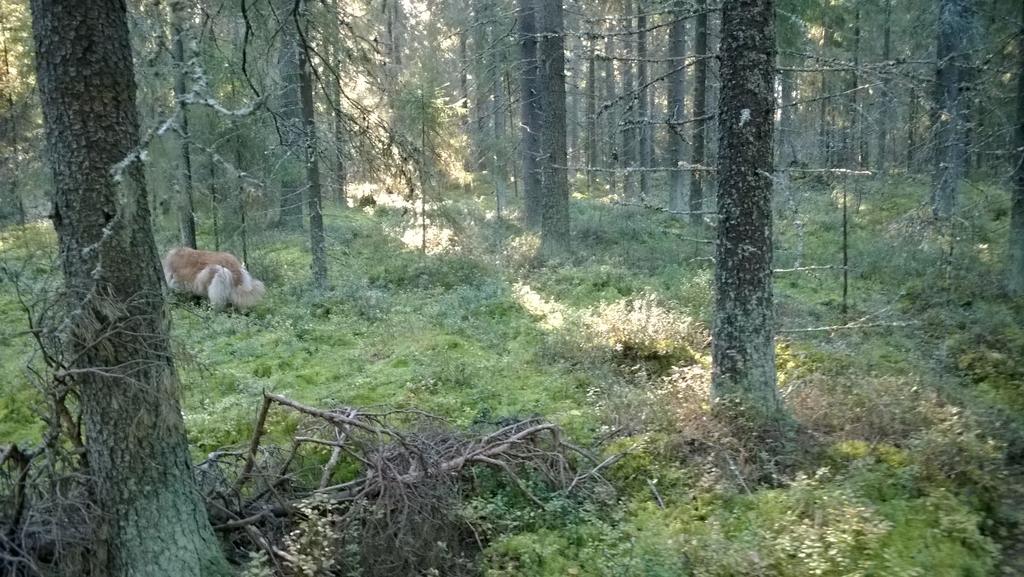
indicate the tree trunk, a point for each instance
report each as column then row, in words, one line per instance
column 643, row 110
column 951, row 102
column 499, row 169
column 884, row 100
column 291, row 124
column 153, row 522
column 591, row 112
column 700, row 112
column 551, row 57
column 1016, row 246
column 531, row 115
column 340, row 170
column 314, row 194
column 610, row 125
column 677, row 106
column 743, row 352
column 628, row 152
column 186, row 208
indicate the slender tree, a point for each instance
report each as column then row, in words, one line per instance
column 677, row 105
column 1016, row 244
column 700, row 112
column 743, row 353
column 153, row 522
column 186, row 206
column 290, row 112
column 314, row 193
column 551, row 61
column 531, row 119
column 643, row 102
column 951, row 105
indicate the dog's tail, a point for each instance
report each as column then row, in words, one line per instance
column 248, row 293
column 220, row 289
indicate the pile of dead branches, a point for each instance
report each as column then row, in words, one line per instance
column 388, row 484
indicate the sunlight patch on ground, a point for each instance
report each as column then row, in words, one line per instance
column 439, row 240
column 552, row 314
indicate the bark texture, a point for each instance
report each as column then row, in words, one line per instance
column 643, row 104
column 314, row 193
column 700, row 111
column 530, row 114
column 154, row 522
column 743, row 354
column 677, row 106
column 1015, row 275
column 952, row 101
column 291, row 124
column 186, row 207
column 551, row 57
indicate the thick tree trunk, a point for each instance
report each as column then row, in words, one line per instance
column 291, row 125
column 743, row 352
column 643, row 109
column 700, row 112
column 531, row 118
column 551, row 57
column 677, row 106
column 951, row 101
column 314, row 194
column 1015, row 275
column 153, row 522
column 186, row 207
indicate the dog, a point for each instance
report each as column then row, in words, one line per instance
column 218, row 276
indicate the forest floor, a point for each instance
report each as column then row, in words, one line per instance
column 908, row 408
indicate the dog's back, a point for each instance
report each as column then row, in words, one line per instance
column 204, row 273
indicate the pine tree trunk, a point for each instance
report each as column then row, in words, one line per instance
column 610, row 124
column 591, row 113
column 951, row 102
column 551, row 60
column 628, row 152
column 340, row 170
column 700, row 112
column 530, row 104
column 643, row 110
column 291, row 124
column 314, row 194
column 499, row 169
column 884, row 100
column 677, row 106
column 1015, row 275
column 743, row 352
column 153, row 522
column 186, row 207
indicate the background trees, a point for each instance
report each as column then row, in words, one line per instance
column 610, row 212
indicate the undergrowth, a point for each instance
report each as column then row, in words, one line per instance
column 906, row 437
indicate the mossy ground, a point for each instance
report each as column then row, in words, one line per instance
column 909, row 432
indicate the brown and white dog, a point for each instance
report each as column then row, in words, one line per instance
column 218, row 276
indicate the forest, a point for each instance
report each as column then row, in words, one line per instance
column 511, row 288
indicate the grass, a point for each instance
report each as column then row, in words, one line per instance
column 909, row 433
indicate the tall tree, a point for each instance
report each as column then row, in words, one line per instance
column 743, row 353
column 530, row 115
column 628, row 152
column 153, row 521
column 677, row 104
column 314, row 193
column 951, row 102
column 643, row 104
column 1016, row 245
column 551, row 61
column 591, row 113
column 186, row 206
column 884, row 99
column 291, row 125
column 700, row 112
